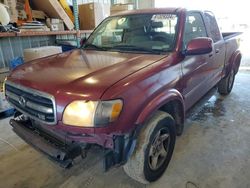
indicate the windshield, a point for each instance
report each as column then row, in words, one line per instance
column 146, row 33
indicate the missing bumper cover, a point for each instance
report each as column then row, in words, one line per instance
column 62, row 153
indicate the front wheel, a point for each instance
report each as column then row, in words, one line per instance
column 154, row 149
column 225, row 86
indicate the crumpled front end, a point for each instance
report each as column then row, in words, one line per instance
column 66, row 147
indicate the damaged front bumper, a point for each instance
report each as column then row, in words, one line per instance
column 56, row 149
column 65, row 152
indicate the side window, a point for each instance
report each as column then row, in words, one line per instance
column 194, row 27
column 213, row 27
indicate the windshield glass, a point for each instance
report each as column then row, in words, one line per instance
column 146, row 33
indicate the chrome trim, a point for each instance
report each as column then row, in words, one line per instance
column 33, row 92
column 32, row 105
column 12, row 95
column 39, row 108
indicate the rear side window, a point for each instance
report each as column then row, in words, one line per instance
column 194, row 27
column 213, row 27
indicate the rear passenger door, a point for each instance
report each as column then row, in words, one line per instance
column 219, row 46
column 196, row 69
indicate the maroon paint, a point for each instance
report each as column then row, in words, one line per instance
column 144, row 82
column 199, row 46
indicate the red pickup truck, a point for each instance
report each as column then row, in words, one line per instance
column 127, row 89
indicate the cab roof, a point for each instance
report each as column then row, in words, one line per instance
column 150, row 11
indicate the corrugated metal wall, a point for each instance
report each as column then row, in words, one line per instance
column 11, row 47
column 71, row 37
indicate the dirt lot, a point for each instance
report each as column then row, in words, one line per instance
column 213, row 152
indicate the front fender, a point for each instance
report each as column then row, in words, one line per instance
column 157, row 102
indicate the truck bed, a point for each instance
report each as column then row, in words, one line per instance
column 228, row 35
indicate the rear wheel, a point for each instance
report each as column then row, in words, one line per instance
column 225, row 86
column 154, row 149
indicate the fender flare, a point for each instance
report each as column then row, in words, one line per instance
column 234, row 62
column 148, row 112
column 158, row 101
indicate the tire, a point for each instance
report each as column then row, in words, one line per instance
column 225, row 86
column 154, row 149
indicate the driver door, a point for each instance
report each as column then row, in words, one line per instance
column 196, row 68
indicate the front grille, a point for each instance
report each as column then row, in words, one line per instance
column 37, row 105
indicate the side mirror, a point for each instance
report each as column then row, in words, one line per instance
column 199, row 46
column 83, row 40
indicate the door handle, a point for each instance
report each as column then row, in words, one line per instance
column 217, row 51
column 210, row 55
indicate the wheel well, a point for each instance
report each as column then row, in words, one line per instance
column 175, row 109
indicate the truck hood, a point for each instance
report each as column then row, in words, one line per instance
column 80, row 73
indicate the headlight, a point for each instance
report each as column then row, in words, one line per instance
column 107, row 111
column 80, row 113
column 92, row 113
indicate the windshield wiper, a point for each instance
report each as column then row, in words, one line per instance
column 128, row 47
column 93, row 46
